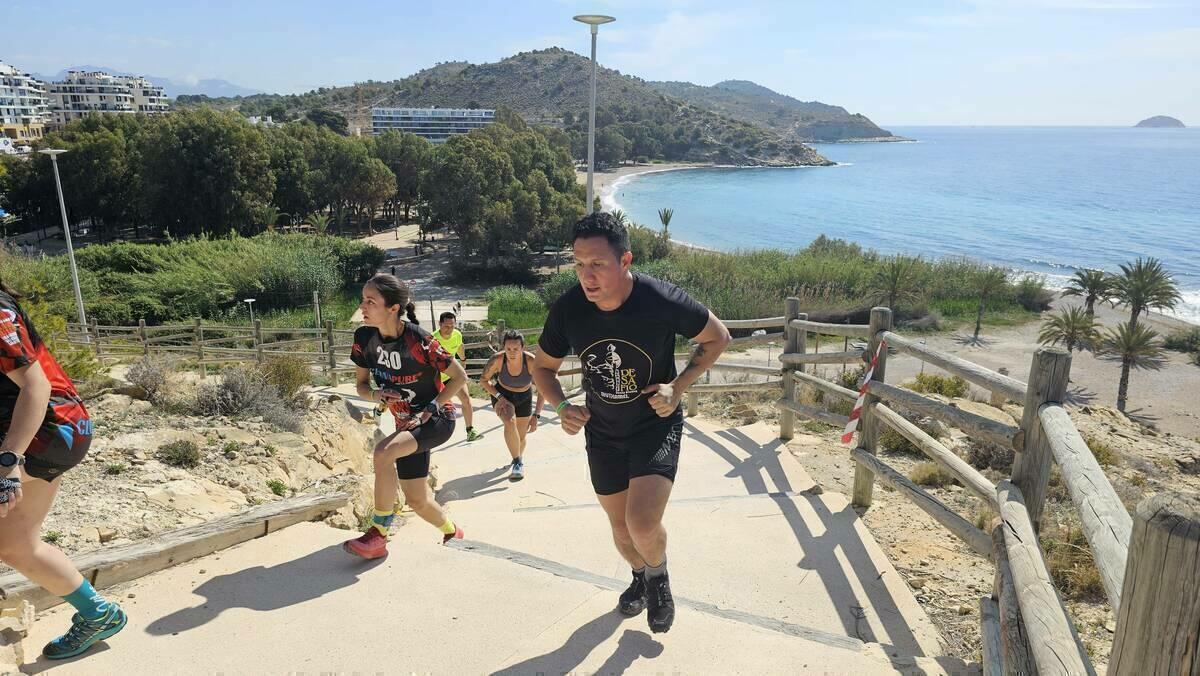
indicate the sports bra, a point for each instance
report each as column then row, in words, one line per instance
column 517, row 382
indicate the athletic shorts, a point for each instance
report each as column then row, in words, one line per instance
column 435, row 432
column 613, row 462
column 55, row 448
column 521, row 401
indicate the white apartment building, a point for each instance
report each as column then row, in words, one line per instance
column 84, row 93
column 23, row 106
column 435, row 124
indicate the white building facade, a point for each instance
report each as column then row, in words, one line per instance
column 23, row 106
column 85, row 93
column 434, row 124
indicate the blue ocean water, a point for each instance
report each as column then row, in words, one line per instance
column 1040, row 199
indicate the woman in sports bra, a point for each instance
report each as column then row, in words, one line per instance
column 512, row 397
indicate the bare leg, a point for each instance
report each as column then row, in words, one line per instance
column 419, row 497
column 23, row 549
column 511, row 437
column 615, row 508
column 393, row 447
column 464, row 397
column 647, row 501
column 522, row 425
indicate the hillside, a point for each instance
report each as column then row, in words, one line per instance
column 746, row 101
column 551, row 87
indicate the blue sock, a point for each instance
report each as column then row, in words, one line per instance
column 90, row 604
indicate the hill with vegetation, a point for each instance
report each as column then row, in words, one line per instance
column 796, row 120
column 634, row 121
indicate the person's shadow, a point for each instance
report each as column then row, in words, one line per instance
column 467, row 487
column 580, row 644
column 260, row 588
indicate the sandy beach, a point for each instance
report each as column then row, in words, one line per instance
column 603, row 182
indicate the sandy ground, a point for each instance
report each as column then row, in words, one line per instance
column 602, row 181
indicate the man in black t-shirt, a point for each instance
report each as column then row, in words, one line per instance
column 623, row 326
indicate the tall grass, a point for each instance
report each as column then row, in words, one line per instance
column 520, row 308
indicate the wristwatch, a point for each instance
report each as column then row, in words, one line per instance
column 10, row 459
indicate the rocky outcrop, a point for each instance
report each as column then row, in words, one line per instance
column 1160, row 121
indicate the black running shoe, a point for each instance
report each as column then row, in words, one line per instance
column 633, row 600
column 660, row 606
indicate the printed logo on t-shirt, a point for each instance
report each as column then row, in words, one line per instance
column 8, row 327
column 616, row 370
column 388, row 358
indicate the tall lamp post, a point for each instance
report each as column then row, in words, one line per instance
column 593, row 20
column 250, row 304
column 62, row 207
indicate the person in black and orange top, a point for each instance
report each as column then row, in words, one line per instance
column 44, row 431
column 406, row 364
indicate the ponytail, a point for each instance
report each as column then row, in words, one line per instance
column 4, row 288
column 411, row 310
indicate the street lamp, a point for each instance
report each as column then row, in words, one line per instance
column 593, row 20
column 250, row 304
column 62, row 206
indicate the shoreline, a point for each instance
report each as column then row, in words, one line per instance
column 606, row 185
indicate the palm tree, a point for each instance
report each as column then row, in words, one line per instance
column 1091, row 285
column 896, row 281
column 621, row 216
column 1137, row 347
column 319, row 222
column 1074, row 327
column 270, row 216
column 1144, row 285
column 664, row 216
column 987, row 283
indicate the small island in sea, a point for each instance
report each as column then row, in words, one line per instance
column 1160, row 121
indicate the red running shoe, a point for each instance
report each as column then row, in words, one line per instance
column 456, row 535
column 370, row 545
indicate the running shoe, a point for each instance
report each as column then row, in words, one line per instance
column 633, row 599
column 660, row 606
column 456, row 535
column 518, row 470
column 370, row 545
column 472, row 435
column 83, row 634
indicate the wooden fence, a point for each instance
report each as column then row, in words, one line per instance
column 1150, row 566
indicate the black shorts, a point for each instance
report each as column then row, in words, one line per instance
column 435, row 432
column 521, row 401
column 613, row 462
column 55, row 448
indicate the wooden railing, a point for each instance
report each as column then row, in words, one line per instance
column 1150, row 567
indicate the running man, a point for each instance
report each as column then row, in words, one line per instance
column 405, row 363
column 512, row 397
column 45, row 429
column 623, row 325
column 452, row 340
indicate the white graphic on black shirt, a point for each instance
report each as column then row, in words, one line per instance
column 616, row 370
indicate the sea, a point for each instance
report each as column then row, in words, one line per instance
column 1042, row 200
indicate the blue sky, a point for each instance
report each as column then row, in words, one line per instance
column 1061, row 62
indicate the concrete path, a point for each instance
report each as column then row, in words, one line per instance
column 769, row 575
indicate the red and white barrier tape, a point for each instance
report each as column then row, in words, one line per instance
column 848, row 433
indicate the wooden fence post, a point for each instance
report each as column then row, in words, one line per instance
column 142, row 335
column 869, row 426
column 317, row 309
column 501, row 327
column 258, row 341
column 1158, row 626
column 792, row 344
column 1031, row 466
column 198, row 336
column 432, row 318
column 333, row 379
column 96, row 337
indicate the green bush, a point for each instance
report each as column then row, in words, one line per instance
column 648, row 245
column 1032, row 294
column 520, row 308
column 289, row 375
column 181, row 453
column 114, row 468
column 277, row 487
column 930, row 474
column 953, row 387
column 892, row 441
column 1104, row 453
column 1183, row 340
column 556, row 285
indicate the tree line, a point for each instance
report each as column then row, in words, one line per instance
column 505, row 189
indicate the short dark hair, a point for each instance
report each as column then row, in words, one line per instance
column 513, row 334
column 603, row 224
column 445, row 316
